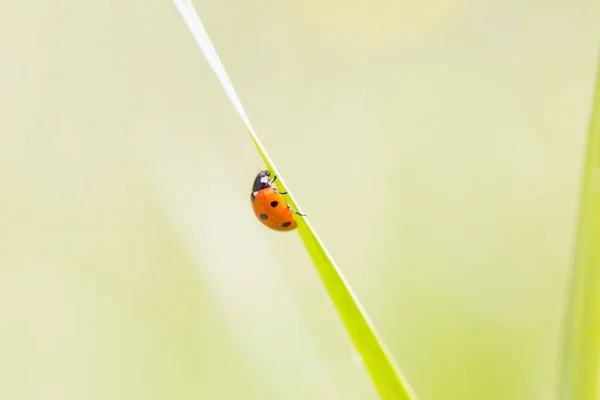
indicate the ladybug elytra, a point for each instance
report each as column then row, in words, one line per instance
column 269, row 205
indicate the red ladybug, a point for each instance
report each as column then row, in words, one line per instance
column 269, row 206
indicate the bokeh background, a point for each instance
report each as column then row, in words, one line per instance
column 435, row 145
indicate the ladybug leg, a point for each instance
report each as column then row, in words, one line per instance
column 295, row 212
column 273, row 181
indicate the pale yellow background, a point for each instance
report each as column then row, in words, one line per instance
column 435, row 145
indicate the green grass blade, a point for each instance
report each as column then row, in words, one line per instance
column 386, row 376
column 581, row 356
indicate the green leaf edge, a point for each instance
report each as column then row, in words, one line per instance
column 579, row 375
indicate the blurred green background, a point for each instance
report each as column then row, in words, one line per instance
column 436, row 147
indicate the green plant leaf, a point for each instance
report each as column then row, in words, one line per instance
column 386, row 376
column 581, row 354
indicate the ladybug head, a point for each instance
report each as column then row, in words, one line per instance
column 262, row 181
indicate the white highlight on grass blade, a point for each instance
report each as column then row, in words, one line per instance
column 190, row 17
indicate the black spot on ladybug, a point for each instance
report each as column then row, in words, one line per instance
column 286, row 224
column 274, row 204
column 263, row 216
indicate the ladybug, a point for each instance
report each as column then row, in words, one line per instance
column 269, row 206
